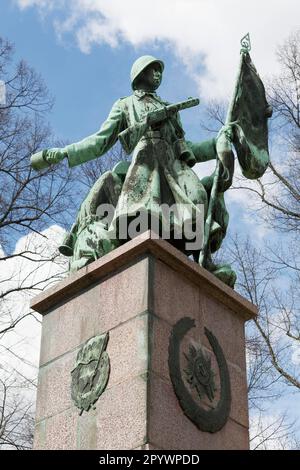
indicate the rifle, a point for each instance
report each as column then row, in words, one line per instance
column 131, row 136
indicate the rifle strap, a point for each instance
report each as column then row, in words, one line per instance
column 178, row 129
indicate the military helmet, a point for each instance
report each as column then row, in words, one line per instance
column 140, row 64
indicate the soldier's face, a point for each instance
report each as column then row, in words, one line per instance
column 151, row 77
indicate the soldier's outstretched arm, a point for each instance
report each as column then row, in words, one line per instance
column 87, row 149
column 209, row 149
column 204, row 151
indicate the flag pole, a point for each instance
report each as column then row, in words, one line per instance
column 246, row 47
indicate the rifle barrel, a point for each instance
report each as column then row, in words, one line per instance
column 183, row 104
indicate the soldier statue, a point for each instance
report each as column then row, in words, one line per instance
column 160, row 171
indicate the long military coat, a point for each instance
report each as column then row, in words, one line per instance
column 156, row 175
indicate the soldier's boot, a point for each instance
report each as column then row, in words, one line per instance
column 224, row 272
column 74, row 265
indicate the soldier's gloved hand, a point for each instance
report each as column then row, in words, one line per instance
column 54, row 155
column 44, row 158
column 227, row 132
column 156, row 116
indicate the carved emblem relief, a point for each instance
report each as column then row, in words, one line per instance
column 199, row 373
column 91, row 372
column 204, row 394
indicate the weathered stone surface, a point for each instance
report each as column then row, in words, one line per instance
column 174, row 296
column 54, row 387
column 95, row 311
column 119, row 421
column 138, row 304
column 128, row 349
column 122, row 415
column 159, row 365
column 170, row 429
column 128, row 352
column 58, row 432
column 218, row 318
column 124, row 256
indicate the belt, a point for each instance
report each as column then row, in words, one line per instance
column 179, row 146
column 152, row 135
column 156, row 135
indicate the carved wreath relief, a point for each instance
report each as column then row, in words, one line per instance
column 91, row 372
column 197, row 375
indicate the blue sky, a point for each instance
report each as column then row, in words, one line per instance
column 84, row 50
column 86, row 76
column 86, row 85
column 87, row 69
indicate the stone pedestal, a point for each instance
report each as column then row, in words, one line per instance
column 138, row 293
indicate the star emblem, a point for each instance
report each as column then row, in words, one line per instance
column 199, row 373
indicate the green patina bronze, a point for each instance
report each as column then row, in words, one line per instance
column 88, row 238
column 160, row 171
column 91, row 372
column 199, row 375
column 246, row 127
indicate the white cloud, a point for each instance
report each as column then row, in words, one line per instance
column 46, row 4
column 295, row 354
column 272, row 431
column 200, row 32
column 249, row 199
column 24, row 339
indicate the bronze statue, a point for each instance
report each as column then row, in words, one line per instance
column 160, row 172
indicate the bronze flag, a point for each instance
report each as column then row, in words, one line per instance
column 250, row 121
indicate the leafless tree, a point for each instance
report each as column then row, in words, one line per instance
column 272, row 341
column 275, row 433
column 90, row 172
column 30, row 202
column 16, row 416
column 277, row 324
column 269, row 274
column 278, row 193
